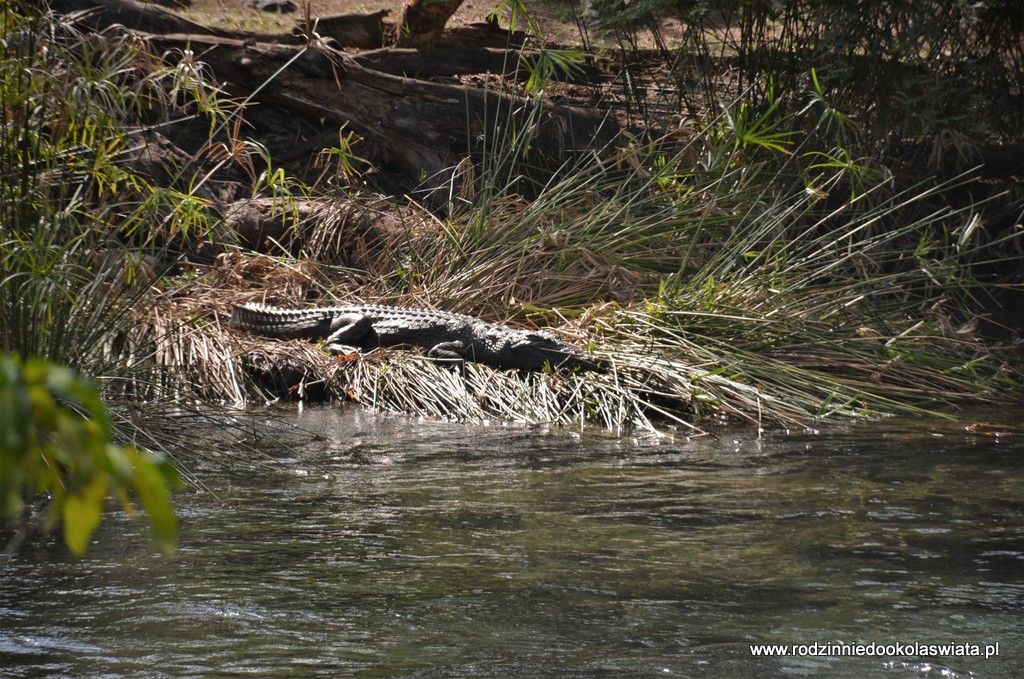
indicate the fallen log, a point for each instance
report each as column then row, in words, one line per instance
column 137, row 16
column 428, row 63
column 362, row 31
column 423, row 127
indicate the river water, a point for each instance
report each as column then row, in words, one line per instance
column 397, row 547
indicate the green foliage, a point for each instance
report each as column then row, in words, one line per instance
column 57, row 439
column 84, row 234
column 347, row 161
column 549, row 64
column 61, row 188
column 749, row 128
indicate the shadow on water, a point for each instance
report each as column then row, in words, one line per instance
column 394, row 547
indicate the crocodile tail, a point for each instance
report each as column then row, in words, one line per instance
column 247, row 316
column 270, row 321
column 258, row 318
column 237, row 320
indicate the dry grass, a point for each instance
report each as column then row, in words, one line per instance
column 186, row 335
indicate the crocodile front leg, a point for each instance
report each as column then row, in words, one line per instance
column 450, row 354
column 348, row 332
column 448, row 351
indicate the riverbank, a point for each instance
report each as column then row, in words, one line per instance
column 751, row 264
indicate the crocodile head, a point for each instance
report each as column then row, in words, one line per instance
column 536, row 349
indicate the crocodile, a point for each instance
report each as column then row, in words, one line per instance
column 445, row 335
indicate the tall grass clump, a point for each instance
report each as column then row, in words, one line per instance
column 85, row 237
column 79, row 225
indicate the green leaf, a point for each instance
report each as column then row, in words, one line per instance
column 83, row 511
column 151, row 482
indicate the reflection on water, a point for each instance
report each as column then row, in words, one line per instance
column 394, row 547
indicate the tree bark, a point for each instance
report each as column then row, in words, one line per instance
column 421, row 126
column 362, row 31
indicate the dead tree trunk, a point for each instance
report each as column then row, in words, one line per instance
column 422, row 21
